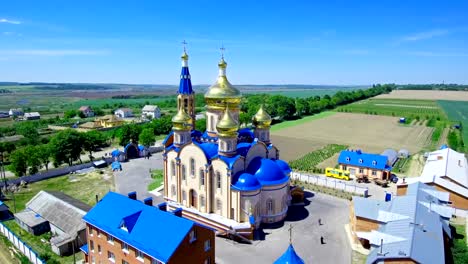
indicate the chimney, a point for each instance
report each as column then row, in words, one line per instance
column 162, row 206
column 148, row 201
column 132, row 195
column 177, row 212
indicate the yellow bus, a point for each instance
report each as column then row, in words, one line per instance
column 337, row 173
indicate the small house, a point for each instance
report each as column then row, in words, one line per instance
column 61, row 215
column 109, row 121
column 150, row 111
column 32, row 116
column 360, row 164
column 123, row 112
column 14, row 112
column 87, row 111
column 90, row 125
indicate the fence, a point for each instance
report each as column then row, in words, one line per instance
column 20, row 245
column 330, row 183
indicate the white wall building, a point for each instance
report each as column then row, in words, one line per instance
column 151, row 111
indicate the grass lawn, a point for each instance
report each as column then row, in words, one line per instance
column 459, row 248
column 83, row 187
column 303, row 120
column 158, row 178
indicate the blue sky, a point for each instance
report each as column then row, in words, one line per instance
column 267, row 42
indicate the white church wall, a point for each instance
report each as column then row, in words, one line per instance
column 221, row 194
column 278, row 195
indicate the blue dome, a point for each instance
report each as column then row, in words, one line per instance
column 247, row 182
column 267, row 171
column 284, row 166
column 289, row 257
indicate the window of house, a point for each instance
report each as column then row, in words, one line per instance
column 184, row 195
column 110, row 239
column 139, row 255
column 202, row 201
column 125, row 247
column 361, row 171
column 348, row 159
column 90, row 231
column 111, row 256
column 193, row 236
column 202, row 177
column 192, row 167
column 218, row 180
column 374, row 172
column 374, row 162
column 98, row 233
column 173, row 170
column 360, row 160
column 184, row 172
column 99, row 249
column 91, row 245
column 207, row 245
column 344, row 167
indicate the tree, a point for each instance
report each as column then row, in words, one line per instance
column 29, row 130
column 93, row 140
column 244, row 118
column 18, row 162
column 70, row 113
column 33, row 161
column 129, row 133
column 147, row 137
column 200, row 124
column 66, row 146
column 44, row 152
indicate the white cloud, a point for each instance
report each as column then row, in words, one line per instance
column 54, row 52
column 15, row 22
column 426, row 35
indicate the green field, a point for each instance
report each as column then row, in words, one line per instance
column 303, row 120
column 301, row 93
column 412, row 109
column 309, row 161
column 457, row 111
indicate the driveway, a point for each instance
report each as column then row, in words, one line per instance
column 306, row 232
column 135, row 176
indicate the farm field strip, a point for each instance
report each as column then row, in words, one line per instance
column 426, row 95
column 309, row 161
column 457, row 111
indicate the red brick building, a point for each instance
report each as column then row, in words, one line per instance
column 123, row 230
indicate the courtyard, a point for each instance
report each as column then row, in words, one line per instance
column 306, row 233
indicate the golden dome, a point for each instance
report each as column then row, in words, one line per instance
column 227, row 126
column 184, row 56
column 181, row 121
column 261, row 119
column 222, row 92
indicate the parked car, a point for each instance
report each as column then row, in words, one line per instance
column 393, row 178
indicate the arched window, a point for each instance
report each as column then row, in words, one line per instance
column 218, row 180
column 269, row 206
column 184, row 196
column 173, row 169
column 202, row 177
column 192, row 167
column 228, row 148
column 184, row 172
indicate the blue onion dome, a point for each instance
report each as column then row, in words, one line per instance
column 289, row 257
column 284, row 166
column 247, row 182
column 267, row 171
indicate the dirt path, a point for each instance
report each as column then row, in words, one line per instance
column 443, row 137
column 5, row 257
column 416, row 165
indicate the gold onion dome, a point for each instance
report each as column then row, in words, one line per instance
column 181, row 121
column 261, row 119
column 184, row 56
column 222, row 91
column 227, row 126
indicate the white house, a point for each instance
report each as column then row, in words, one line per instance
column 32, row 116
column 16, row 112
column 151, row 111
column 123, row 112
column 87, row 111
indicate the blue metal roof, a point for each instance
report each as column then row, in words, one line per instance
column 116, row 153
column 284, row 166
column 185, row 86
column 267, row 171
column 247, row 182
column 230, row 160
column 168, row 137
column 243, row 148
column 157, row 233
column 361, row 159
column 246, row 132
column 84, row 248
column 289, row 257
column 210, row 149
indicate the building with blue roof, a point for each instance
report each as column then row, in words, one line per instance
column 227, row 176
column 360, row 164
column 122, row 229
column 413, row 228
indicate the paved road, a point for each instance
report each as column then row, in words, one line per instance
column 334, row 213
column 135, row 176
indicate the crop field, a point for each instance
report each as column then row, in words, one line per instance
column 412, row 109
column 426, row 95
column 457, row 111
column 310, row 161
column 300, row 93
column 371, row 133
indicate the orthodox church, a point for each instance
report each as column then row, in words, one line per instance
column 224, row 176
